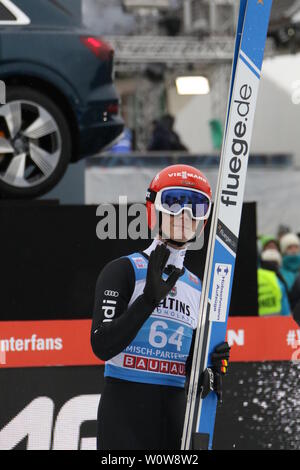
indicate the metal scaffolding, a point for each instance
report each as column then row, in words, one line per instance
column 149, row 98
column 205, row 45
column 170, row 50
column 173, row 51
column 220, row 80
column 210, row 16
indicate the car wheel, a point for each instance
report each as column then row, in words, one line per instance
column 35, row 143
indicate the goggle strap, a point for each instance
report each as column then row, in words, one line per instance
column 150, row 195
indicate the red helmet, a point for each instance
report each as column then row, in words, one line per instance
column 184, row 176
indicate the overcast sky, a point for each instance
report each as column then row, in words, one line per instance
column 285, row 72
column 107, row 17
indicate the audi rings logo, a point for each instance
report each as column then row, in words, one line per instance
column 111, row 293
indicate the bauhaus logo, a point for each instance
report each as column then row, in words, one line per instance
column 154, row 365
column 220, row 292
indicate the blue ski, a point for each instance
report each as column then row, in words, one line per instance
column 250, row 42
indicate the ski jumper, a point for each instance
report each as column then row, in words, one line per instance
column 147, row 354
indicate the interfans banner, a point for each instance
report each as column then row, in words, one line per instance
column 67, row 342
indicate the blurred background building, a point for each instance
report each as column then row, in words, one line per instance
column 156, row 42
column 173, row 57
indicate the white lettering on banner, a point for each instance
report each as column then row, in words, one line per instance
column 2, row 356
column 293, row 338
column 220, row 292
column 296, row 356
column 237, row 338
column 31, row 344
column 71, row 416
column 33, row 422
column 153, row 365
column 36, row 420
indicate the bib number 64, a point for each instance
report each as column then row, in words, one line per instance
column 158, row 338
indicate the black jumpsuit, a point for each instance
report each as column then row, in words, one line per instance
column 131, row 415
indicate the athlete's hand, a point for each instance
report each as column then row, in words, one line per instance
column 220, row 358
column 211, row 379
column 156, row 289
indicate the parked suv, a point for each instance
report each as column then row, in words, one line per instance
column 61, row 103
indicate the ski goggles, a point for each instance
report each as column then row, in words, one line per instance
column 174, row 200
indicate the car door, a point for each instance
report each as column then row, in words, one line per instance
column 10, row 15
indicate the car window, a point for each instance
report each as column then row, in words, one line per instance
column 10, row 14
column 5, row 14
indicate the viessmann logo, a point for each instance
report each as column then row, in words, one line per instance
column 185, row 175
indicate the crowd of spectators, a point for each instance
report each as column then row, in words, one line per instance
column 278, row 274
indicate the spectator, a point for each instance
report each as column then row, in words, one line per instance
column 290, row 249
column 268, row 242
column 164, row 137
column 123, row 145
column 124, row 142
column 295, row 299
column 272, row 290
column 296, row 313
column 282, row 230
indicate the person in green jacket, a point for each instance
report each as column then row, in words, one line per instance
column 272, row 290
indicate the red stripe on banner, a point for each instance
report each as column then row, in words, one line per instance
column 263, row 339
column 67, row 342
column 46, row 343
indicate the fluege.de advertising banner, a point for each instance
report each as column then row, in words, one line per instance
column 67, row 342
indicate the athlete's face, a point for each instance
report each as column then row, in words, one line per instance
column 180, row 227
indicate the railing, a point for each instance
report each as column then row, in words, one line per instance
column 207, row 160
